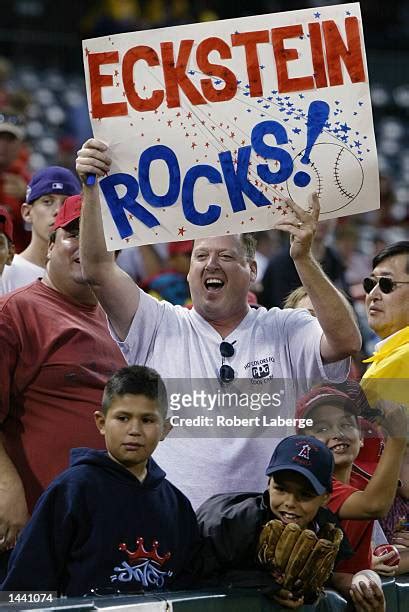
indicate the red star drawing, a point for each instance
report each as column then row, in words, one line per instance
column 86, row 51
column 243, row 142
column 206, row 145
column 170, row 123
column 116, row 73
column 189, row 115
column 130, row 217
column 194, row 145
column 181, row 231
column 232, row 134
column 251, row 218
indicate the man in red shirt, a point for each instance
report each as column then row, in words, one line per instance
column 356, row 501
column 56, row 356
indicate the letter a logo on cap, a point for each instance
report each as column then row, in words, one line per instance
column 57, row 186
column 305, row 451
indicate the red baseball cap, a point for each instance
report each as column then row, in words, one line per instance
column 324, row 395
column 184, row 247
column 70, row 211
column 372, row 448
column 6, row 223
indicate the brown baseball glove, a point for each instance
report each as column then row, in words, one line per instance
column 298, row 559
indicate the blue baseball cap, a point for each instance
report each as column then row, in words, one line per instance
column 53, row 179
column 307, row 456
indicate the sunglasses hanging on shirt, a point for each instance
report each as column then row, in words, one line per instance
column 226, row 372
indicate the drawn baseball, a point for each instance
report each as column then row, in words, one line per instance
column 335, row 173
column 366, row 576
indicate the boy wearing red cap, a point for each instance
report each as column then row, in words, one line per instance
column 6, row 243
column 356, row 501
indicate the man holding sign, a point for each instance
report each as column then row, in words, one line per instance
column 221, row 337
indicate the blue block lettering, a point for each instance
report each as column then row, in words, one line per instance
column 237, row 182
column 269, row 152
column 170, row 159
column 191, row 214
column 128, row 202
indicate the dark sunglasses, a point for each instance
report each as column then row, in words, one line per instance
column 386, row 284
column 226, row 372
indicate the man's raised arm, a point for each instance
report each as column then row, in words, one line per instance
column 115, row 290
column 341, row 336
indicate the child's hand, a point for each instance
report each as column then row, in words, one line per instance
column 368, row 599
column 379, row 566
column 287, row 599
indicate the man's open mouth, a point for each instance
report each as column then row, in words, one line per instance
column 214, row 284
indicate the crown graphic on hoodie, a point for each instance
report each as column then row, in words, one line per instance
column 141, row 553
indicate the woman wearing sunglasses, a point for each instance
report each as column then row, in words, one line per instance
column 387, row 308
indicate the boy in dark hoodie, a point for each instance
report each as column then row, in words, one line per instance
column 111, row 522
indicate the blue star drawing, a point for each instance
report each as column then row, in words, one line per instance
column 296, row 130
column 301, row 95
column 348, row 12
column 345, row 128
column 357, row 144
column 317, row 15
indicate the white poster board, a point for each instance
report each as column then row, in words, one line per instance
column 211, row 126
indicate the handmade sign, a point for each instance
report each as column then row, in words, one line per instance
column 211, row 126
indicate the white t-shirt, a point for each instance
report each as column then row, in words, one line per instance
column 20, row 273
column 273, row 349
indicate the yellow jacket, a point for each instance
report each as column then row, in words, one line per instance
column 388, row 375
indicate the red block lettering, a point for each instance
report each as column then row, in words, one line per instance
column 250, row 40
column 100, row 109
column 212, row 94
column 147, row 54
column 351, row 53
column 175, row 74
column 317, row 52
column 282, row 56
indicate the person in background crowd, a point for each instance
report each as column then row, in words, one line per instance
column 14, row 174
column 56, row 356
column 171, row 284
column 281, row 275
column 355, row 500
column 46, row 192
column 6, row 243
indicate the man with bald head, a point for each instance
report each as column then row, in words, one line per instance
column 221, row 338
